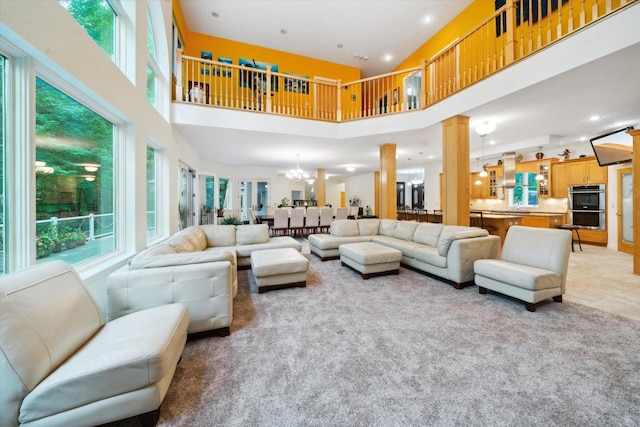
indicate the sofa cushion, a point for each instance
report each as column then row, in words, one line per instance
column 251, row 234
column 524, row 276
column 430, row 255
column 427, row 233
column 450, row 233
column 176, row 259
column 368, row 226
column 405, row 229
column 244, row 251
column 344, row 228
column 405, row 246
column 220, row 235
column 159, row 249
column 387, row 227
column 181, row 244
column 327, row 241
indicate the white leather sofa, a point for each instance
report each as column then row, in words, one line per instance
column 198, row 267
column 61, row 365
column 445, row 251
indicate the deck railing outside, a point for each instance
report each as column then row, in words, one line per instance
column 512, row 33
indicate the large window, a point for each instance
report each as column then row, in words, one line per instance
column 525, row 192
column 74, row 178
column 152, row 63
column 98, row 19
column 152, row 191
column 2, row 191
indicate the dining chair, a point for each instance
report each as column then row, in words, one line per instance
column 342, row 213
column 476, row 219
column 422, row 216
column 411, row 215
column 312, row 220
column 437, row 216
column 353, row 212
column 280, row 222
column 326, row 216
column 296, row 222
column 252, row 217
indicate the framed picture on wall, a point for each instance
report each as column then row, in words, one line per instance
column 251, row 79
column 296, row 85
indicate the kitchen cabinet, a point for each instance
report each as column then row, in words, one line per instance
column 594, row 237
column 494, row 172
column 585, row 172
column 543, row 221
column 479, row 191
column 560, row 182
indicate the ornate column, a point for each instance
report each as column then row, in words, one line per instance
column 455, row 173
column 387, row 181
column 321, row 187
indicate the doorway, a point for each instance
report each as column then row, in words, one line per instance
column 412, row 88
column 254, row 194
column 625, row 210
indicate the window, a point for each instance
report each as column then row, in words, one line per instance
column 74, row 178
column 2, row 192
column 152, row 191
column 152, row 65
column 525, row 192
column 97, row 18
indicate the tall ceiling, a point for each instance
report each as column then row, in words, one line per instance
column 315, row 28
column 553, row 113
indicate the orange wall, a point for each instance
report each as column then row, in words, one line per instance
column 475, row 14
column 287, row 62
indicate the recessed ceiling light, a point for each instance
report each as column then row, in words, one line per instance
column 283, row 31
column 350, row 168
column 594, row 118
column 427, row 19
column 340, row 46
column 215, row 14
column 583, row 138
column 387, row 57
column 492, row 142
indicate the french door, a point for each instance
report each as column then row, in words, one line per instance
column 625, row 210
column 186, row 202
column 254, row 194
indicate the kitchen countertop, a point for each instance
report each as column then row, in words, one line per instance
column 520, row 213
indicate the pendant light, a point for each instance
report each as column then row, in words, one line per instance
column 417, row 180
column 483, row 130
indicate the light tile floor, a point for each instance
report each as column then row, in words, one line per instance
column 603, row 278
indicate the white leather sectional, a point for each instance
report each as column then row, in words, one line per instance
column 445, row 251
column 198, row 267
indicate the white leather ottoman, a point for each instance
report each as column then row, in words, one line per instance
column 279, row 268
column 370, row 259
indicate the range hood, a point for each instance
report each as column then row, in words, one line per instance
column 508, row 170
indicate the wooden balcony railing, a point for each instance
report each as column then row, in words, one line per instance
column 512, row 33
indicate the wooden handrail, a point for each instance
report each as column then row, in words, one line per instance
column 485, row 50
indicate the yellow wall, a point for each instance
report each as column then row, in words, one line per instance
column 475, row 14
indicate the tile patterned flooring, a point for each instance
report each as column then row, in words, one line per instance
column 603, row 278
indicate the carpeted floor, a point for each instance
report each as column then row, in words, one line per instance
column 406, row 350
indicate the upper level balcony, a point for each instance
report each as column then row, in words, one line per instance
column 513, row 33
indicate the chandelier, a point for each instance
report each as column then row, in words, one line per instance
column 297, row 174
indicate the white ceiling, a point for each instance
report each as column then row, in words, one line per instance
column 314, row 28
column 553, row 113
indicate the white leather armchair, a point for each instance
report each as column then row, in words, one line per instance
column 61, row 365
column 532, row 267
